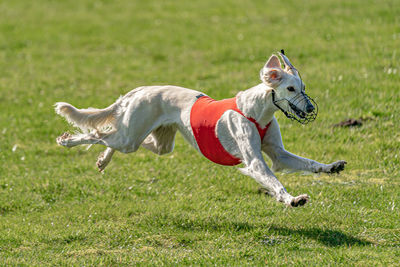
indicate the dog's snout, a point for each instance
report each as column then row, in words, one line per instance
column 310, row 108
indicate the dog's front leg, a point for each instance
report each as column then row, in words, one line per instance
column 284, row 160
column 240, row 138
column 258, row 169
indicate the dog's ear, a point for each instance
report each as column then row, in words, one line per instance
column 271, row 76
column 273, row 62
column 271, row 73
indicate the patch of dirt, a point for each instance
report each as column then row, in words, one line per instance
column 352, row 122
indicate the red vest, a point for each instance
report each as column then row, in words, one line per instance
column 204, row 116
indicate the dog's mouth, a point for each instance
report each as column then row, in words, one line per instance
column 301, row 114
column 301, row 107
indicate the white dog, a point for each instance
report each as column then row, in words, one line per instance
column 226, row 132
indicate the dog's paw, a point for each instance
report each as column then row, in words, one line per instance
column 337, row 166
column 101, row 163
column 299, row 200
column 62, row 139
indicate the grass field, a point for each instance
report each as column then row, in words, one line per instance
column 180, row 209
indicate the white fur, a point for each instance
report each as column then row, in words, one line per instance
column 150, row 116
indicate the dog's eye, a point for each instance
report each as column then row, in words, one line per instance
column 290, row 88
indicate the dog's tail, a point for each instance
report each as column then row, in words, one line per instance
column 88, row 119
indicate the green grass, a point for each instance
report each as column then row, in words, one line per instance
column 56, row 209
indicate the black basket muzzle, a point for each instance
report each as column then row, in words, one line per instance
column 301, row 107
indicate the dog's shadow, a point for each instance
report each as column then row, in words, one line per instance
column 331, row 238
column 327, row 237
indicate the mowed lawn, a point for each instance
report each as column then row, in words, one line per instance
column 181, row 209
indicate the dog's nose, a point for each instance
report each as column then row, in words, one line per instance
column 310, row 108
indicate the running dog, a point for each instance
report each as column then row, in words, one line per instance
column 227, row 132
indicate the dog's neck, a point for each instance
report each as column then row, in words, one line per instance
column 256, row 103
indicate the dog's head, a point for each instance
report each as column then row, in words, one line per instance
column 288, row 89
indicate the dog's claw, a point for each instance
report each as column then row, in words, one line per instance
column 337, row 166
column 299, row 200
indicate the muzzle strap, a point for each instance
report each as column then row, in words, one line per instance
column 275, row 103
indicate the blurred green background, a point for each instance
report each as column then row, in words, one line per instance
column 55, row 208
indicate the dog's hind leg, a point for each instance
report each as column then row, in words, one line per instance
column 113, row 140
column 69, row 140
column 125, row 140
column 104, row 158
column 162, row 140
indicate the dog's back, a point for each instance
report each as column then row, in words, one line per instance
column 167, row 101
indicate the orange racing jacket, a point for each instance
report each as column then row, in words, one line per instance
column 204, row 116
